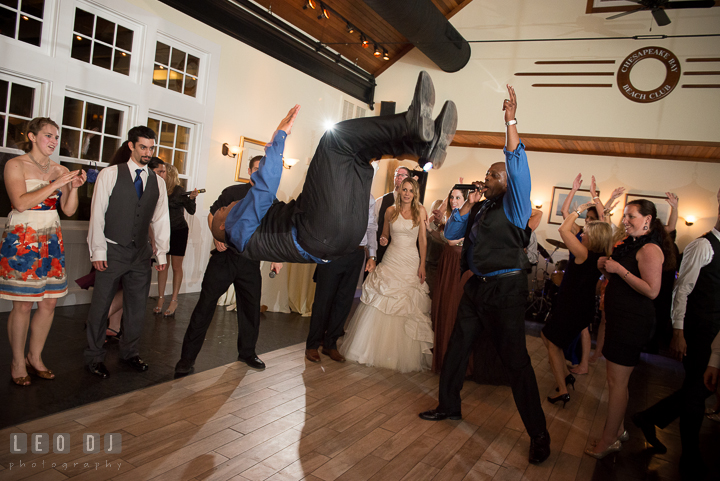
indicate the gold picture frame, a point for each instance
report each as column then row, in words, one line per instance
column 249, row 148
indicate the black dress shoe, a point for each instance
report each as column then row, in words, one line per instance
column 435, row 415
column 99, row 369
column 136, row 363
column 252, row 361
column 539, row 448
column 419, row 114
column 445, row 127
column 184, row 367
column 648, row 429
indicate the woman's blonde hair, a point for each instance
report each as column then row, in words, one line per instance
column 600, row 237
column 414, row 205
column 173, row 180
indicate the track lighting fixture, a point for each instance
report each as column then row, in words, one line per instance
column 309, row 4
column 324, row 13
column 385, row 54
column 364, row 41
column 377, row 51
column 350, row 28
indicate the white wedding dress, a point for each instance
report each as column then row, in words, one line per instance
column 391, row 327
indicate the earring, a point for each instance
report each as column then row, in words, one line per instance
column 646, row 227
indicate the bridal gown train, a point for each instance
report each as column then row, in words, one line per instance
column 391, row 327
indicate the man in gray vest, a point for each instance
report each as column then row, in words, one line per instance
column 128, row 199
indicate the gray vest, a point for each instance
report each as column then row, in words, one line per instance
column 127, row 218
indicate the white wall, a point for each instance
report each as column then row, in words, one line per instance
column 479, row 89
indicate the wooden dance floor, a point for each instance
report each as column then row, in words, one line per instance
column 330, row 421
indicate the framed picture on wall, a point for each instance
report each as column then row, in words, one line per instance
column 559, row 195
column 250, row 148
column 663, row 208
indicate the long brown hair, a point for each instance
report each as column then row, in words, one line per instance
column 173, row 180
column 448, row 211
column 33, row 127
column 414, row 205
column 645, row 208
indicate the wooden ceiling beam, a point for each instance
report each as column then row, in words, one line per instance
column 608, row 146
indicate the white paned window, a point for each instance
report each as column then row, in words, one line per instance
column 22, row 20
column 91, row 129
column 174, row 143
column 101, row 42
column 175, row 69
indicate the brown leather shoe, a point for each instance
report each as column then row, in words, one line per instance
column 312, row 355
column 333, row 354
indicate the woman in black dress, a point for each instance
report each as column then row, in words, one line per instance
column 178, row 203
column 634, row 272
column 576, row 298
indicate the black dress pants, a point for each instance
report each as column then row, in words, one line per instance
column 336, row 283
column 225, row 269
column 494, row 308
column 687, row 403
column 132, row 265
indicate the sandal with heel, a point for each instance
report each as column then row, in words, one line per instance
column 158, row 310
column 41, row 374
column 170, row 313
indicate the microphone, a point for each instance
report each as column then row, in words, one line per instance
column 468, row 187
column 200, row 191
column 272, row 273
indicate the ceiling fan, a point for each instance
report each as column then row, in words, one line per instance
column 658, row 7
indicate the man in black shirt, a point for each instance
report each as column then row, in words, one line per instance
column 227, row 267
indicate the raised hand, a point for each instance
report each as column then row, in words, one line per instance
column 66, row 178
column 287, row 123
column 672, row 199
column 593, row 190
column 510, row 104
column 577, row 182
column 616, row 193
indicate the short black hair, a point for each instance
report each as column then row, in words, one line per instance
column 592, row 208
column 154, row 163
column 141, row 131
column 257, row 158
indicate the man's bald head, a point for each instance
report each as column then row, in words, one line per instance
column 496, row 180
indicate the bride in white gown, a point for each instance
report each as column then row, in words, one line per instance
column 391, row 327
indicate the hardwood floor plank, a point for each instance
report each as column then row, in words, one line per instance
column 352, row 455
column 501, row 446
column 402, row 439
column 301, row 468
column 449, row 445
column 245, row 443
column 365, row 470
column 402, row 464
column 421, row 472
column 349, row 437
column 566, row 467
column 195, row 467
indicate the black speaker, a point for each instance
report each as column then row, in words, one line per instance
column 387, row 108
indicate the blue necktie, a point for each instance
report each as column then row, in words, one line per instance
column 138, row 183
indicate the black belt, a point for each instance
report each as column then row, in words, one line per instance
column 498, row 276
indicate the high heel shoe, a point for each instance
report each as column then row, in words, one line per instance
column 613, row 448
column 170, row 313
column 41, row 374
column 624, row 437
column 569, row 381
column 158, row 309
column 565, row 398
column 22, row 381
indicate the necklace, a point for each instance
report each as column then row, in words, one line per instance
column 44, row 168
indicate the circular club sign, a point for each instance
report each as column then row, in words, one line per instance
column 672, row 65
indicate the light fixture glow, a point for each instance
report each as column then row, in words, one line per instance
column 537, row 203
column 329, row 125
column 364, row 41
column 385, row 54
column 288, row 163
column 309, row 4
column 350, row 28
column 377, row 51
column 428, row 167
column 230, row 151
column 690, row 220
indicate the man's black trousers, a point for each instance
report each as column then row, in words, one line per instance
column 225, row 269
column 494, row 308
column 334, row 294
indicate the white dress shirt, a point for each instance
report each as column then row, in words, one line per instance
column 715, row 355
column 101, row 198
column 370, row 238
column 697, row 255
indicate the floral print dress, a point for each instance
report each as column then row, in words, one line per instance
column 32, row 258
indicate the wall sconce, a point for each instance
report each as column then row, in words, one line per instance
column 227, row 150
column 288, row 163
column 690, row 220
column 537, row 203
